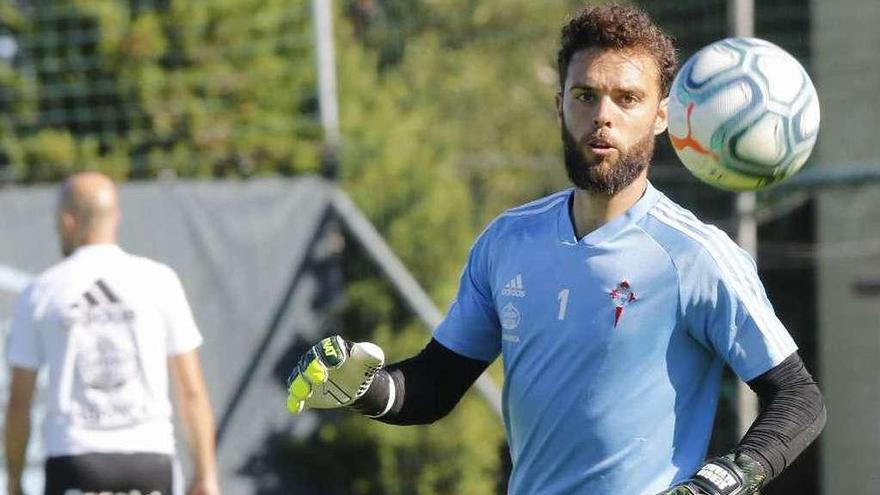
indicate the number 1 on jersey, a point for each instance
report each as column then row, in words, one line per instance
column 563, row 303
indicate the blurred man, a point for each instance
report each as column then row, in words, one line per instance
column 109, row 327
column 613, row 308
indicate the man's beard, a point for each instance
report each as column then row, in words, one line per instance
column 601, row 177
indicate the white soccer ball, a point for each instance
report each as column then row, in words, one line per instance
column 743, row 114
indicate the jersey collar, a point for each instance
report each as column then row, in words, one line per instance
column 565, row 225
column 95, row 249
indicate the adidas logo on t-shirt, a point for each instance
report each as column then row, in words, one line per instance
column 514, row 287
column 98, row 305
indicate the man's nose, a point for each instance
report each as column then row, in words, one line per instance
column 602, row 113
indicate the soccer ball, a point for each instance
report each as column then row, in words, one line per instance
column 743, row 114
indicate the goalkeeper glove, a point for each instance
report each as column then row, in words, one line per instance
column 728, row 475
column 333, row 373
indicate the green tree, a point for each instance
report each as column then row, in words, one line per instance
column 201, row 89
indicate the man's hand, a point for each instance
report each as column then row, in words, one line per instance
column 728, row 475
column 13, row 487
column 333, row 373
column 204, row 486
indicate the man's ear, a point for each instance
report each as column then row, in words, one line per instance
column 559, row 105
column 68, row 222
column 662, row 120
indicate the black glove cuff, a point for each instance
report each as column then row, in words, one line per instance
column 727, row 475
column 375, row 399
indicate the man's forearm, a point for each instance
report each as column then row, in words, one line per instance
column 198, row 421
column 792, row 416
column 18, row 428
column 421, row 389
column 195, row 413
column 18, row 425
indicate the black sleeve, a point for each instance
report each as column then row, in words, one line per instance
column 792, row 416
column 425, row 387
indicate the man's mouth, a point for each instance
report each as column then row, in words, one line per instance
column 599, row 146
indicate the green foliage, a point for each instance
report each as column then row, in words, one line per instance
column 483, row 74
column 198, row 88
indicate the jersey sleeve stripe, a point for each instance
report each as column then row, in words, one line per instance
column 754, row 308
column 746, row 273
column 536, row 210
column 739, row 277
column 737, row 272
column 724, row 244
column 538, row 203
column 742, row 270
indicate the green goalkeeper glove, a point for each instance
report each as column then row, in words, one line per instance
column 333, row 373
column 728, row 475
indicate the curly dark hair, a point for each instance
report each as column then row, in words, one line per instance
column 618, row 27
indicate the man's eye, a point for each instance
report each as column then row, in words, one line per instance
column 629, row 99
column 585, row 97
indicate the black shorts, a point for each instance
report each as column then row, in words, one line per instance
column 147, row 473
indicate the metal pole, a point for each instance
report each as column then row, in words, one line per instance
column 741, row 23
column 322, row 14
column 741, row 18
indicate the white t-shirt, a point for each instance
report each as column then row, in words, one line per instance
column 105, row 323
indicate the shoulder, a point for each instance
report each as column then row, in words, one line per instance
column 152, row 269
column 53, row 277
column 692, row 243
column 46, row 287
column 529, row 215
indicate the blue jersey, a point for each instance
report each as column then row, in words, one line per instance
column 613, row 345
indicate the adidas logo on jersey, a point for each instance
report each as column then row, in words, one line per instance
column 514, row 287
column 98, row 305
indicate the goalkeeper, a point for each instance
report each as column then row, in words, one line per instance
column 614, row 311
